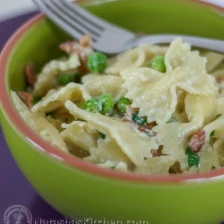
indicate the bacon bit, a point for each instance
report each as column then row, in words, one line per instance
column 30, row 74
column 86, row 41
column 84, row 46
column 27, row 98
column 126, row 120
column 131, row 110
column 83, row 49
column 154, row 152
column 220, row 79
column 74, row 47
column 68, row 47
column 158, row 152
column 146, row 130
column 150, row 125
column 197, row 141
column 142, row 128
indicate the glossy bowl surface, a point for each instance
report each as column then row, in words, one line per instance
column 78, row 189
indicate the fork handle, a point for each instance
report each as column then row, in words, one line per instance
column 206, row 43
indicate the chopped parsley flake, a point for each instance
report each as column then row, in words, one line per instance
column 193, row 158
column 212, row 133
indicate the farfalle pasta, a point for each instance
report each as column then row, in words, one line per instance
column 150, row 110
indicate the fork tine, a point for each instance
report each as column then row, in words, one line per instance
column 87, row 16
column 44, row 8
column 66, row 6
column 70, row 18
column 48, row 7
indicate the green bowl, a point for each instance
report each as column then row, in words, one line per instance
column 79, row 189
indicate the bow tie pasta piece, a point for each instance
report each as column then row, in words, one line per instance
column 135, row 58
column 73, row 91
column 39, row 124
column 96, row 85
column 79, row 134
column 158, row 100
column 150, row 93
column 46, row 80
column 193, row 67
column 179, row 53
column 135, row 145
column 174, row 136
column 136, row 80
column 108, row 150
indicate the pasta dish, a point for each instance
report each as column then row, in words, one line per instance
column 151, row 110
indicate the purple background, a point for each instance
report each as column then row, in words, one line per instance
column 14, row 188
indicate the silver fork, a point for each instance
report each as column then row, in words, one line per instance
column 109, row 38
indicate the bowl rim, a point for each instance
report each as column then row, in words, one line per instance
column 67, row 159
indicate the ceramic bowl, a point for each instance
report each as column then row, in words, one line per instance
column 79, row 189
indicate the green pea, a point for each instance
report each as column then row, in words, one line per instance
column 97, row 62
column 103, row 104
column 139, row 120
column 158, row 63
column 64, row 78
column 91, row 105
column 106, row 102
column 122, row 103
column 212, row 134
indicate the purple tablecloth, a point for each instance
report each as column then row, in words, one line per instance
column 14, row 189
